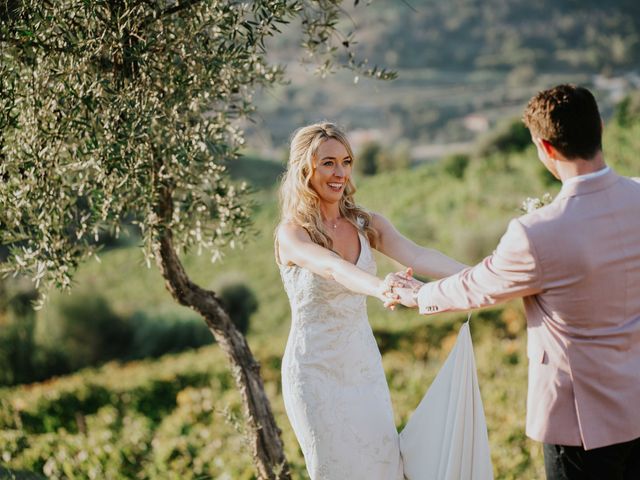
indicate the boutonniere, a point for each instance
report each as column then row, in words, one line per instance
column 530, row 204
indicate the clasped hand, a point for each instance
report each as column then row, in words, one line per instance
column 401, row 288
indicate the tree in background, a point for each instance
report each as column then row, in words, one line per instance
column 397, row 157
column 367, row 160
column 115, row 109
column 628, row 110
column 373, row 158
column 17, row 327
column 456, row 164
column 509, row 136
column 240, row 303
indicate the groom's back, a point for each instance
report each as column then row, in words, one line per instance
column 584, row 328
column 589, row 252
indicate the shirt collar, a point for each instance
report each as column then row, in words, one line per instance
column 588, row 176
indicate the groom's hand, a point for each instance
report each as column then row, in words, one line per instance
column 404, row 287
column 406, row 297
column 404, row 280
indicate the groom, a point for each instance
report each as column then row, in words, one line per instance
column 576, row 262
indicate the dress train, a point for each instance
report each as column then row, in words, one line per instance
column 446, row 436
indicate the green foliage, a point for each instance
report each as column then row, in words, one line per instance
column 17, row 325
column 628, row 110
column 621, row 147
column 104, row 421
column 367, row 162
column 258, row 172
column 373, row 158
column 107, row 106
column 509, row 136
column 179, row 416
column 117, row 119
column 157, row 335
column 397, row 158
column 86, row 330
column 16, row 350
column 456, row 165
column 240, row 303
column 83, row 330
column 476, row 34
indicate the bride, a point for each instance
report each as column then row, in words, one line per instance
column 333, row 383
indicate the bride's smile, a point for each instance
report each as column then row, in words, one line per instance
column 331, row 170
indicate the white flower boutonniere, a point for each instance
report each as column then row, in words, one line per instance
column 532, row 203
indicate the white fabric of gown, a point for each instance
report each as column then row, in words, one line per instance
column 337, row 399
column 333, row 384
column 446, row 437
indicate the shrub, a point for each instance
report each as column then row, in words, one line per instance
column 86, row 331
column 475, row 244
column 16, row 349
column 373, row 158
column 240, row 303
column 455, row 165
column 628, row 110
column 396, row 158
column 157, row 335
column 17, row 324
column 509, row 136
column 367, row 160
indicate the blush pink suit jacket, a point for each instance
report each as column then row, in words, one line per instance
column 576, row 262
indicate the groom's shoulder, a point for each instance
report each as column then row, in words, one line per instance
column 547, row 214
column 630, row 185
column 629, row 179
column 545, row 222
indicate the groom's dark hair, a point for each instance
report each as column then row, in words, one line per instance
column 567, row 117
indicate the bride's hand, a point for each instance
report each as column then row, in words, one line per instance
column 393, row 281
column 386, row 294
column 405, row 279
column 403, row 287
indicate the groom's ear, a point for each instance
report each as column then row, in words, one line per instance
column 549, row 149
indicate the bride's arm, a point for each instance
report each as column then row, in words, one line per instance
column 296, row 247
column 424, row 261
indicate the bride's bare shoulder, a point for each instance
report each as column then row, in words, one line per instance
column 288, row 231
column 379, row 222
column 290, row 239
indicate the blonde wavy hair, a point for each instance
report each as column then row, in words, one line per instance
column 299, row 202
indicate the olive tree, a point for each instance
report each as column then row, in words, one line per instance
column 114, row 109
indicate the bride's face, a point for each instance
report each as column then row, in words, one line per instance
column 331, row 170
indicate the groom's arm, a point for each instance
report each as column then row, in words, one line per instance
column 511, row 271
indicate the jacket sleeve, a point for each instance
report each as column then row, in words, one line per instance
column 511, row 271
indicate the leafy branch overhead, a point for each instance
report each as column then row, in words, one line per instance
column 105, row 105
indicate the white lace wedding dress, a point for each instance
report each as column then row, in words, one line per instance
column 337, row 399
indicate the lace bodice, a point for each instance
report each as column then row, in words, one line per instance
column 308, row 292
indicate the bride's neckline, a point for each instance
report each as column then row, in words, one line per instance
column 361, row 245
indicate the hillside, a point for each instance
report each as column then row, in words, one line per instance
column 463, row 66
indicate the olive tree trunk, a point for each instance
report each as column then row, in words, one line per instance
column 263, row 433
